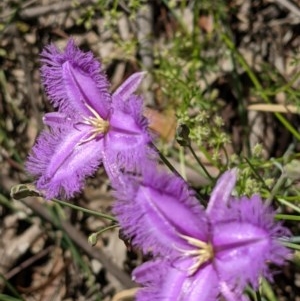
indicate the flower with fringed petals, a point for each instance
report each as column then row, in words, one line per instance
column 199, row 254
column 90, row 125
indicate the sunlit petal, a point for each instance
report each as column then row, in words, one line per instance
column 220, row 195
column 72, row 78
column 129, row 86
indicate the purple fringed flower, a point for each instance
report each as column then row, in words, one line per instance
column 200, row 255
column 91, row 125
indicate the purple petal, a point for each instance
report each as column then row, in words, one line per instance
column 113, row 171
column 164, row 282
column 57, row 120
column 240, row 251
column 130, row 85
column 73, row 79
column 151, row 275
column 203, row 286
column 220, row 195
column 61, row 162
column 157, row 211
column 128, row 138
column 244, row 246
column 125, row 133
column 231, row 294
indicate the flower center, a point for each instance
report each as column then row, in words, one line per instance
column 97, row 123
column 202, row 253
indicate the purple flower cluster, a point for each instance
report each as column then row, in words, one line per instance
column 90, row 125
column 199, row 254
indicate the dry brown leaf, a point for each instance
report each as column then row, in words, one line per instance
column 164, row 124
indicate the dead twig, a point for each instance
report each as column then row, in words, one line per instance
column 25, row 264
column 18, row 246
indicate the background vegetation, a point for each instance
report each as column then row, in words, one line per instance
column 222, row 91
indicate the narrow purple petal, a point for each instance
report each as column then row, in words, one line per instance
column 61, row 162
column 127, row 140
column 151, row 275
column 220, row 195
column 163, row 282
column 157, row 211
column 231, row 294
column 203, row 286
column 125, row 133
column 129, row 86
column 73, row 79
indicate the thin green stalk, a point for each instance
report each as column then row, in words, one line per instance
column 288, row 217
column 226, row 154
column 241, row 106
column 93, row 238
column 295, row 239
column 76, row 255
column 267, row 290
column 177, row 17
column 288, row 85
column 257, row 295
column 208, row 157
column 5, row 201
column 200, row 163
column 182, row 162
column 256, row 173
column 11, row 289
column 291, row 245
column 279, row 183
column 90, row 212
column 288, row 204
column 167, row 162
column 172, row 168
column 291, row 198
column 8, row 203
column 106, row 229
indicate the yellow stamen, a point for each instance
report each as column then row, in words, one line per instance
column 201, row 254
column 98, row 124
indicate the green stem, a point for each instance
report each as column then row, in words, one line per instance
column 93, row 238
column 5, row 202
column 167, row 162
column 11, row 289
column 291, row 245
column 182, row 162
column 256, row 173
column 257, row 295
column 200, row 163
column 90, row 212
column 176, row 16
column 288, row 217
column 106, row 229
column 292, row 206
